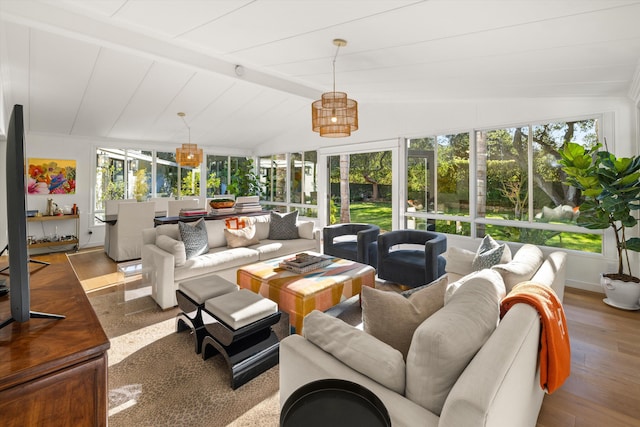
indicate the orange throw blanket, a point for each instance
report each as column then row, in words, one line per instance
column 555, row 349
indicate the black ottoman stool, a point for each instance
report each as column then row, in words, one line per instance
column 238, row 326
column 191, row 296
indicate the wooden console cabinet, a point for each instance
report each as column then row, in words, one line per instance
column 54, row 372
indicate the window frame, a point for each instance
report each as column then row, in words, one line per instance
column 604, row 132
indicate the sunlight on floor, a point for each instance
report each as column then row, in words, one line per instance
column 124, row 397
column 138, row 339
column 266, row 410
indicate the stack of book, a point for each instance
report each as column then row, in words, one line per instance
column 192, row 212
column 248, row 204
column 222, row 205
column 303, row 262
column 222, row 211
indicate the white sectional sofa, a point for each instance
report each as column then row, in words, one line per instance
column 170, row 268
column 498, row 387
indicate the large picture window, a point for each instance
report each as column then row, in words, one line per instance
column 516, row 192
column 289, row 182
column 122, row 174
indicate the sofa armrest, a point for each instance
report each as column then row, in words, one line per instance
column 552, row 272
column 317, row 236
column 162, row 263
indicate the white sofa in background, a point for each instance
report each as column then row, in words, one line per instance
column 499, row 387
column 170, row 268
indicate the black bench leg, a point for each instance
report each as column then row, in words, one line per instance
column 246, row 358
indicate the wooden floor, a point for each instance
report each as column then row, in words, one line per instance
column 604, row 387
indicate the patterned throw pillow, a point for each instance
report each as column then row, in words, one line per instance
column 488, row 254
column 283, row 226
column 194, row 236
column 237, row 223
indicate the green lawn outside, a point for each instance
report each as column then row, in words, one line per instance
column 372, row 213
column 380, row 214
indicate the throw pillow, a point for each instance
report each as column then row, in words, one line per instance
column 488, row 254
column 522, row 267
column 283, row 226
column 356, row 349
column 392, row 317
column 237, row 223
column 305, row 229
column 170, row 230
column 174, row 247
column 262, row 225
column 488, row 274
column 194, row 236
column 240, row 238
column 459, row 261
column 444, row 344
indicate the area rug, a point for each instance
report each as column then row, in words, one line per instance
column 157, row 379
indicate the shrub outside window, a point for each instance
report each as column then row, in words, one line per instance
column 518, row 193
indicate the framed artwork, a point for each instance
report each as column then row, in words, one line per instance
column 51, row 176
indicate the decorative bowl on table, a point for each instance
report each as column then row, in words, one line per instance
column 221, row 203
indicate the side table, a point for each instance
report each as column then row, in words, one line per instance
column 336, row 403
column 136, row 287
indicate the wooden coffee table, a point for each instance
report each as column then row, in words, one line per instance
column 300, row 294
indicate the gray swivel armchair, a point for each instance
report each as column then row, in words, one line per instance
column 408, row 265
column 353, row 241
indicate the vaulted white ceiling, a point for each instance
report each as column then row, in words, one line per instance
column 124, row 68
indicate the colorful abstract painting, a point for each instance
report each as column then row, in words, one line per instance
column 51, row 176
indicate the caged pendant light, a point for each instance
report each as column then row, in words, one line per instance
column 335, row 115
column 189, row 154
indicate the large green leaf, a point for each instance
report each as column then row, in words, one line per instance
column 629, row 221
column 633, row 244
column 632, row 178
column 592, row 192
column 622, row 164
column 594, row 219
column 571, row 151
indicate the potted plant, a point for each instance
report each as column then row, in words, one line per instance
column 611, row 188
column 140, row 187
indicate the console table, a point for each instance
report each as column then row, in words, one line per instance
column 71, row 240
column 54, row 372
column 208, row 217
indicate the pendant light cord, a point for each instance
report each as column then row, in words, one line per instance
column 334, row 67
column 181, row 115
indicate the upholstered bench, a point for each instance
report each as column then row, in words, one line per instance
column 191, row 296
column 238, row 326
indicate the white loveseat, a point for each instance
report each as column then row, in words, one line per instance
column 169, row 267
column 500, row 386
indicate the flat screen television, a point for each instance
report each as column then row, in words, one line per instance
column 17, row 224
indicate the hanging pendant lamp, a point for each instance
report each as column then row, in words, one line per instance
column 335, row 115
column 189, row 154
